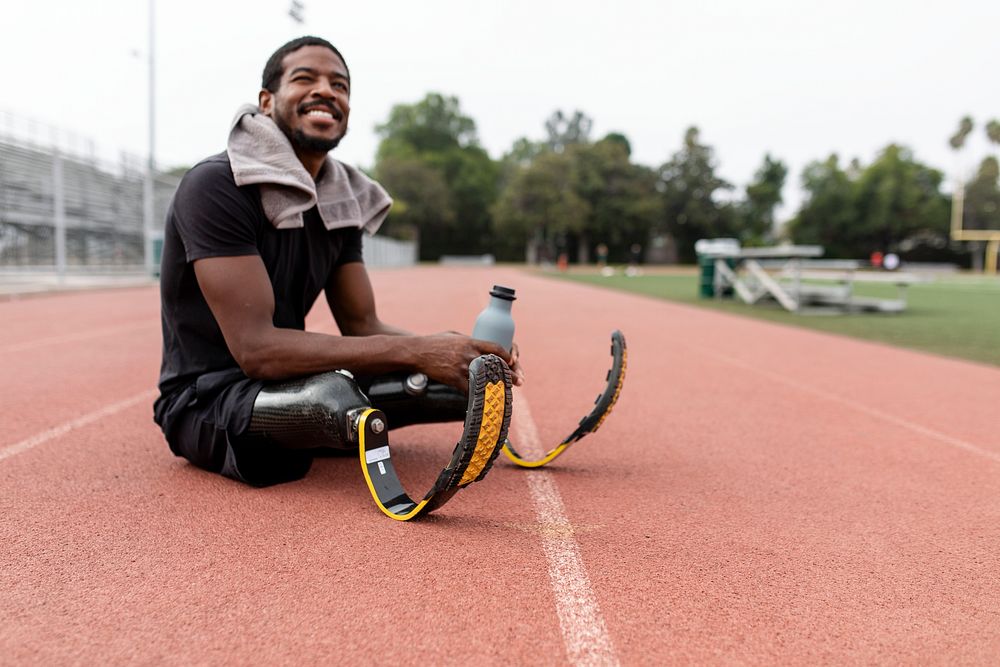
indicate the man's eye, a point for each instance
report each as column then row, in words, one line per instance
column 341, row 86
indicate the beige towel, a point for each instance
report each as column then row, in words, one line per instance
column 261, row 154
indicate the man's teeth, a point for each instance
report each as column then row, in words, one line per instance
column 319, row 112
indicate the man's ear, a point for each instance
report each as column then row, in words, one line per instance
column 265, row 100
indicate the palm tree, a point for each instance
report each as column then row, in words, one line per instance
column 957, row 142
column 993, row 248
column 965, row 127
column 993, row 131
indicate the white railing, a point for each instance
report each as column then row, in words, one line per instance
column 383, row 252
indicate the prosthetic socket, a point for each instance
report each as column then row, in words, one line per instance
column 323, row 410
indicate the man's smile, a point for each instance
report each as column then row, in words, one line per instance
column 321, row 110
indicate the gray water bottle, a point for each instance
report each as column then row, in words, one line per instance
column 495, row 323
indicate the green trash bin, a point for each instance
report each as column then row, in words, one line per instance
column 706, row 276
column 157, row 254
column 707, row 251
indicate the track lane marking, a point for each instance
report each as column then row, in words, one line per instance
column 74, row 337
column 585, row 634
column 860, row 407
column 327, row 327
column 66, row 427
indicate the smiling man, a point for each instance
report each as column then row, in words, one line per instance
column 253, row 236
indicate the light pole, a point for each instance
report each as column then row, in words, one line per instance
column 149, row 191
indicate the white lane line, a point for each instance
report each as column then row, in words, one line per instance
column 62, row 429
column 73, row 337
column 584, row 631
column 860, row 407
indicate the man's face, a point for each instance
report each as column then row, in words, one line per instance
column 312, row 103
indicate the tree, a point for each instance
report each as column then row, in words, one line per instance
column 896, row 198
column 689, row 185
column 982, row 196
column 763, row 195
column 540, row 206
column 895, row 203
column 563, row 130
column 622, row 197
column 957, row 142
column 621, row 140
column 422, row 199
column 976, row 207
column 993, row 131
column 965, row 127
column 474, row 180
column 432, row 125
column 574, row 198
column 828, row 214
column 524, row 151
column 434, row 134
column 984, row 191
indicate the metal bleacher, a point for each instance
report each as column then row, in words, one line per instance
column 61, row 207
column 798, row 281
column 101, row 205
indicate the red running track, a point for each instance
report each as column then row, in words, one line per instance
column 761, row 495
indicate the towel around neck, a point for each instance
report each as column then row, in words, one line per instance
column 261, row 154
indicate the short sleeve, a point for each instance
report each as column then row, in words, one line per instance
column 352, row 250
column 214, row 217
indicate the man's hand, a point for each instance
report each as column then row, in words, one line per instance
column 445, row 357
column 515, row 365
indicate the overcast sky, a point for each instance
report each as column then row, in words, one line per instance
column 797, row 79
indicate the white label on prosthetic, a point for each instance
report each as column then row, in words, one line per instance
column 377, row 454
column 381, row 468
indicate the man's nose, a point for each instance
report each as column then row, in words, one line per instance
column 324, row 89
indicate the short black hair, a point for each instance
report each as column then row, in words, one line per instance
column 273, row 70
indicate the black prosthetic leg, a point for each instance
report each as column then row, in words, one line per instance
column 404, row 405
column 309, row 413
column 329, row 412
column 319, row 412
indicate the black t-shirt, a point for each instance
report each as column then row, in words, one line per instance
column 210, row 216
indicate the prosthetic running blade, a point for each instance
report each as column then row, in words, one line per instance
column 602, row 408
column 486, row 423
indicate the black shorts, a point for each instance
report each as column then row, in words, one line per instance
column 206, row 422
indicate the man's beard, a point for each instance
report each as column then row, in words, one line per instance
column 303, row 142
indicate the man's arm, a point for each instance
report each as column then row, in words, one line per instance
column 352, row 302
column 239, row 293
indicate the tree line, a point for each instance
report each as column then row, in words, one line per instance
column 568, row 193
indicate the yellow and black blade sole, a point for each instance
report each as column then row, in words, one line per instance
column 486, row 425
column 603, row 405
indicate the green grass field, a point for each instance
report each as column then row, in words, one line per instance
column 957, row 316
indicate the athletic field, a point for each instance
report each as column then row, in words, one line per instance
column 957, row 315
column 762, row 494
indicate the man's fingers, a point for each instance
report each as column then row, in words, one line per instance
column 517, row 375
column 512, row 360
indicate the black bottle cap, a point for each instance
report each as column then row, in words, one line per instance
column 503, row 292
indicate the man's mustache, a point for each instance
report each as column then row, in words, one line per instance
column 306, row 106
